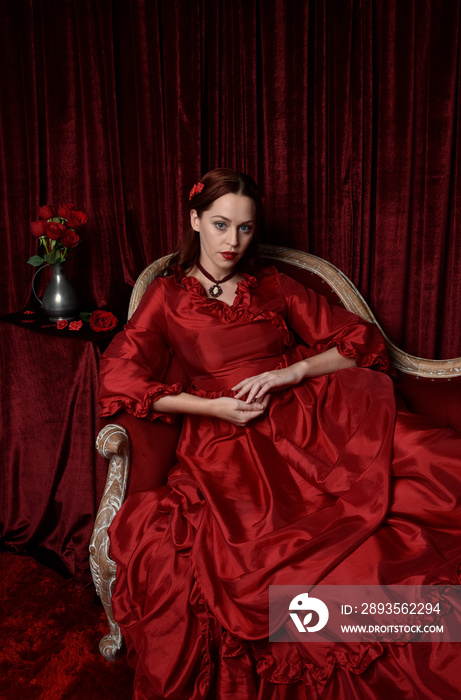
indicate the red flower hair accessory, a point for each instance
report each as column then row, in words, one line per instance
column 197, row 188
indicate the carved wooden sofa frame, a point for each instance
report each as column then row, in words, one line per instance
column 113, row 441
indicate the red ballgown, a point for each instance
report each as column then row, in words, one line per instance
column 332, row 484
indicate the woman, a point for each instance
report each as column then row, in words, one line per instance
column 283, row 477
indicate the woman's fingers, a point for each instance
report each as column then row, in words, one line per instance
column 245, row 406
column 240, row 412
column 241, row 388
column 236, row 411
column 244, row 387
column 258, row 390
column 254, row 388
column 246, row 412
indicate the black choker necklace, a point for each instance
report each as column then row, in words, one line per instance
column 216, row 289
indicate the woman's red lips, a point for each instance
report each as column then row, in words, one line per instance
column 229, row 256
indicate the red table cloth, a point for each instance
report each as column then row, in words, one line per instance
column 51, row 478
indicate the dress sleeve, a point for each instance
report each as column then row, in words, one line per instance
column 323, row 326
column 135, row 363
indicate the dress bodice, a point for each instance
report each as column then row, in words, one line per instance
column 219, row 345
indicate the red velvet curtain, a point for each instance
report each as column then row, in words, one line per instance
column 347, row 112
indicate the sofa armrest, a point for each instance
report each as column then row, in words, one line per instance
column 113, row 443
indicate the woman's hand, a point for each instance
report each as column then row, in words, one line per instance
column 238, row 412
column 254, row 388
column 257, row 387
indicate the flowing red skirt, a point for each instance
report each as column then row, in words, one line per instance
column 332, row 485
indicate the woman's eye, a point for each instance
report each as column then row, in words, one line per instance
column 220, row 225
column 245, row 228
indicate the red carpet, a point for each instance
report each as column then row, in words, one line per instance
column 49, row 636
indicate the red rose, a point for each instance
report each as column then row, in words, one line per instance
column 76, row 218
column 47, row 211
column 61, row 324
column 197, row 188
column 103, row 321
column 65, row 209
column 54, row 230
column 69, row 239
column 37, row 228
column 75, row 325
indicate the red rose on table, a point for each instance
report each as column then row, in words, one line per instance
column 54, row 230
column 76, row 219
column 47, row 211
column 103, row 321
column 65, row 209
column 69, row 239
column 61, row 324
column 37, row 228
column 75, row 325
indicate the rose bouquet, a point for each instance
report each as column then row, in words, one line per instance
column 56, row 231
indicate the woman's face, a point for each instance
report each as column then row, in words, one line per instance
column 225, row 230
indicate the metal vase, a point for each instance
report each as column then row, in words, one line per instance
column 60, row 300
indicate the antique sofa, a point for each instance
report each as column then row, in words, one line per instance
column 141, row 452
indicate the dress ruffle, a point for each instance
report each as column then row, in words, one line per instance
column 143, row 409
column 355, row 659
column 239, row 309
column 216, row 307
column 373, row 360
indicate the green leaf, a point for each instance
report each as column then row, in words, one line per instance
column 36, row 260
column 85, row 316
column 53, row 257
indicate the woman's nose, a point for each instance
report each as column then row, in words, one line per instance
column 233, row 236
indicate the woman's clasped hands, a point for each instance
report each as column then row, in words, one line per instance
column 253, row 394
column 236, row 411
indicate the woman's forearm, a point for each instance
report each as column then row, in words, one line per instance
column 184, row 403
column 325, row 363
column 256, row 387
column 224, row 407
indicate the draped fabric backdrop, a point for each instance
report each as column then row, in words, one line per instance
column 347, row 112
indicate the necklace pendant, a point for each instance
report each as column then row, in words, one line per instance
column 215, row 291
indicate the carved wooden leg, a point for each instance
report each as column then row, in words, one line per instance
column 112, row 443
